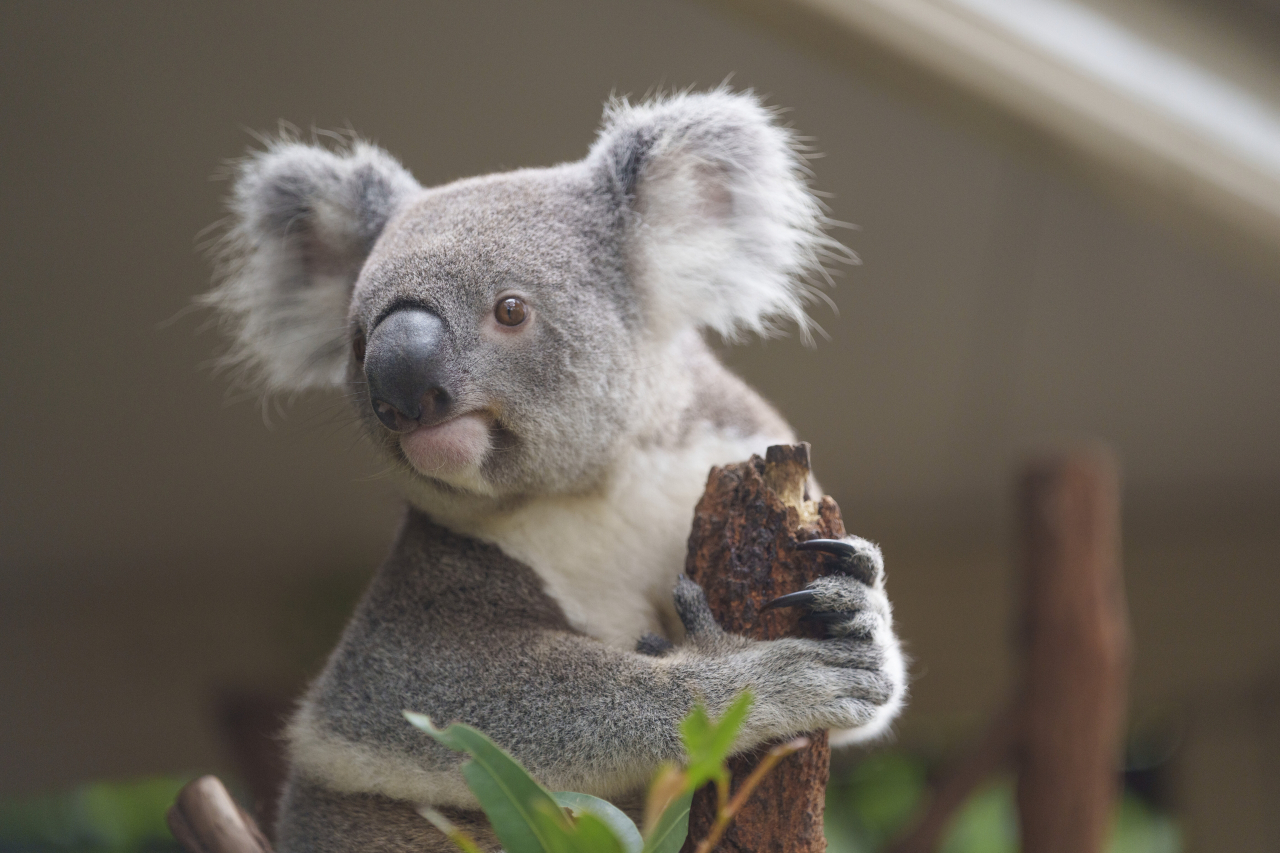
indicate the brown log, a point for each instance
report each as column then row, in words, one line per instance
column 1062, row 730
column 1077, row 652
column 205, row 819
column 743, row 552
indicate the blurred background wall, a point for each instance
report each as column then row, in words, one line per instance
column 163, row 542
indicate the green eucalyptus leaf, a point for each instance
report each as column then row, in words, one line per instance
column 589, row 834
column 621, row 826
column 595, row 835
column 708, row 744
column 551, row 824
column 672, row 828
column 696, row 729
column 509, row 796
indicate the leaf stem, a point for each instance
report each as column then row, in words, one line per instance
column 456, row 834
column 726, row 814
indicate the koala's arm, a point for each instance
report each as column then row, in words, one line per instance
column 472, row 638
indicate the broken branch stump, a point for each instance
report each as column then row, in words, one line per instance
column 204, row 819
column 742, row 551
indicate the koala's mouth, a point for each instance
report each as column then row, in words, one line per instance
column 451, row 447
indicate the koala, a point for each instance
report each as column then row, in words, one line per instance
column 527, row 349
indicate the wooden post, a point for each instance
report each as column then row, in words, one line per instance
column 1077, row 652
column 743, row 552
column 1062, row 731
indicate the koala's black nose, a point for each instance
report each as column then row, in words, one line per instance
column 404, row 365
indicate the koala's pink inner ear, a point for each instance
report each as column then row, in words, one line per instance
column 685, row 193
column 335, row 256
column 715, row 196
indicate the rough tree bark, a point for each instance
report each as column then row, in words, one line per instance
column 743, row 552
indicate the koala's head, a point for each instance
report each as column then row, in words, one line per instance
column 495, row 330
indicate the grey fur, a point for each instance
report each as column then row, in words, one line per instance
column 320, row 820
column 603, row 412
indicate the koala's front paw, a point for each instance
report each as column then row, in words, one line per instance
column 854, row 555
column 853, row 605
column 854, row 680
column 851, row 602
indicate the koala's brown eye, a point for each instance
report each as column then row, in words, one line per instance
column 357, row 346
column 510, row 311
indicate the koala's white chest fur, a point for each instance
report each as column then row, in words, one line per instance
column 611, row 561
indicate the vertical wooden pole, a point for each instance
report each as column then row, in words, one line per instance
column 1062, row 730
column 742, row 551
column 1077, row 652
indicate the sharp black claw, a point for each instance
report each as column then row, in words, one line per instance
column 830, row 546
column 792, row 599
column 853, row 562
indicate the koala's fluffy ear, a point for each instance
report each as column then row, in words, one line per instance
column 304, row 219
column 725, row 233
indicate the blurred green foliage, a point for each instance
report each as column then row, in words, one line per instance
column 124, row 817
column 867, row 807
column 873, row 803
column 870, row 804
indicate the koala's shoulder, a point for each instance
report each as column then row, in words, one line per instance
column 446, row 584
column 724, row 403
